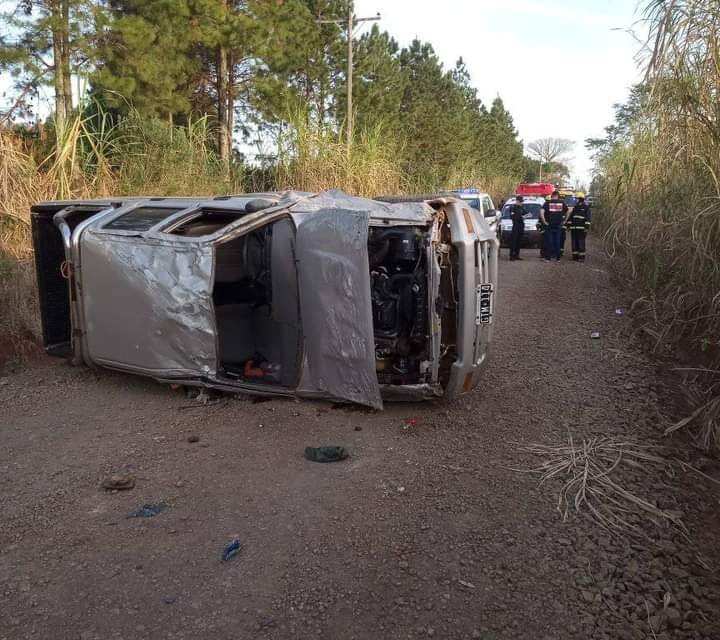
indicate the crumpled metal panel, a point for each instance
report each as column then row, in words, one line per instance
column 334, row 282
column 402, row 213
column 148, row 305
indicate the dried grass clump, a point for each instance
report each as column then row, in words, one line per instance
column 592, row 475
column 703, row 423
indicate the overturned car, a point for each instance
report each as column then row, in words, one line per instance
column 311, row 295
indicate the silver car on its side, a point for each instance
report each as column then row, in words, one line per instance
column 317, row 295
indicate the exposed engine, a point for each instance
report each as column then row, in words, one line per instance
column 399, row 304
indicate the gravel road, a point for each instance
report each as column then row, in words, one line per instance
column 425, row 531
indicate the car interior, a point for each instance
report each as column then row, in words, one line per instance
column 256, row 302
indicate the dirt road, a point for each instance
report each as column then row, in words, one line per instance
column 425, row 531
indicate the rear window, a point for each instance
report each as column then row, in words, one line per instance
column 141, row 219
column 532, row 209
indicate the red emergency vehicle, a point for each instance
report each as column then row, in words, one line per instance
column 542, row 189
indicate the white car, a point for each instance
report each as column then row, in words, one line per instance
column 531, row 237
column 482, row 202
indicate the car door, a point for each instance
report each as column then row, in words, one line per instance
column 489, row 212
column 335, row 302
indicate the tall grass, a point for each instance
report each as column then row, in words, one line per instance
column 312, row 158
column 661, row 200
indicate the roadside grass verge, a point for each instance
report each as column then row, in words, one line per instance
column 660, row 199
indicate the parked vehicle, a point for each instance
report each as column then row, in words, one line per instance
column 482, row 202
column 311, row 295
column 531, row 235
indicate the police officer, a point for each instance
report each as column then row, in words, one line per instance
column 517, row 214
column 541, row 230
column 579, row 224
column 553, row 215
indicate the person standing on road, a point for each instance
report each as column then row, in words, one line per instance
column 579, row 224
column 517, row 214
column 553, row 215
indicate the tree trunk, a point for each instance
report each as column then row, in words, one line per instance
column 224, row 88
column 222, row 106
column 230, row 116
column 58, row 75
column 65, row 66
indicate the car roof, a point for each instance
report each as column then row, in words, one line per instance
column 411, row 209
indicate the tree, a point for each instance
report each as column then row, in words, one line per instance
column 504, row 147
column 145, row 57
column 379, row 82
column 430, row 115
column 554, row 172
column 548, row 150
column 46, row 42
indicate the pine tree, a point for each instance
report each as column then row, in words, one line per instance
column 46, row 42
column 145, row 56
column 379, row 82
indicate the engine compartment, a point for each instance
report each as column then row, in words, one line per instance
column 399, row 293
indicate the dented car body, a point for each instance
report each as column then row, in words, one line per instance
column 310, row 295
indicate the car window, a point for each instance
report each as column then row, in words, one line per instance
column 141, row 219
column 532, row 209
column 473, row 202
column 487, row 204
column 203, row 222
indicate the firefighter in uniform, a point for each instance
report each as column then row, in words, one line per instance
column 517, row 213
column 553, row 215
column 579, row 225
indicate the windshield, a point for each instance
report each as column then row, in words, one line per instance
column 532, row 209
column 473, row 201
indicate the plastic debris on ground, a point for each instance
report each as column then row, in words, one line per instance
column 231, row 550
column 118, row 482
column 325, row 454
column 410, row 422
column 619, row 312
column 595, row 335
column 147, row 511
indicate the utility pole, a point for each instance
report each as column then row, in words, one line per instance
column 352, row 22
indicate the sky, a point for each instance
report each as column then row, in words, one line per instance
column 517, row 48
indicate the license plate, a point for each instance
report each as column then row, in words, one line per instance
column 483, row 313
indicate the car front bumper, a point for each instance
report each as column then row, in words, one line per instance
column 531, row 238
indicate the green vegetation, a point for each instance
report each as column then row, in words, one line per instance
column 659, row 187
column 249, row 68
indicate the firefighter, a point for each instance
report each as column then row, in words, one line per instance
column 579, row 225
column 517, row 214
column 553, row 215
